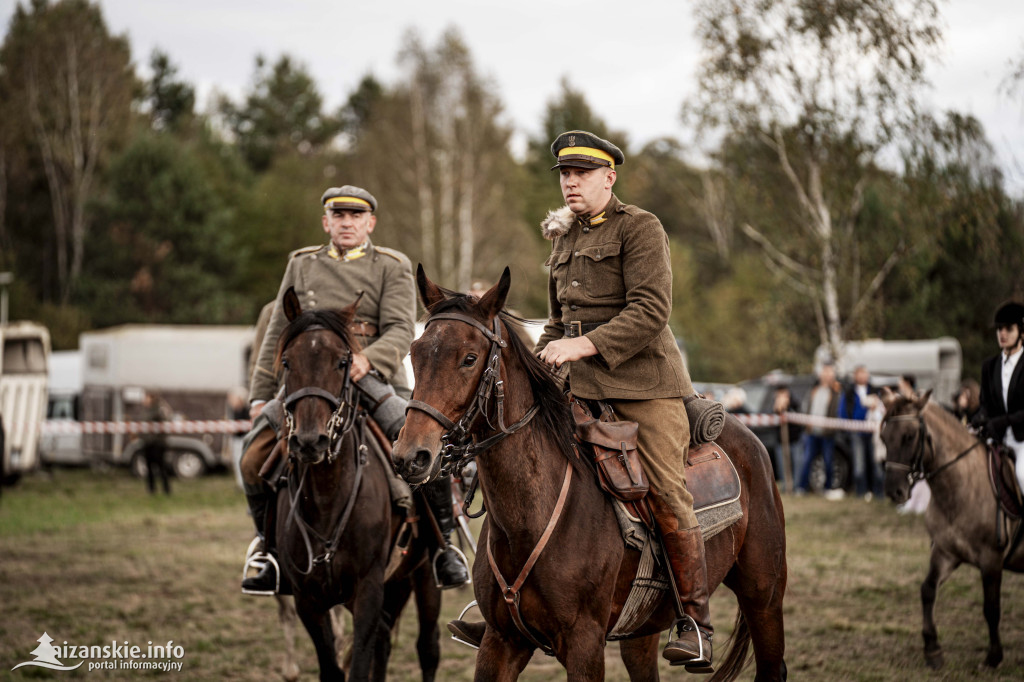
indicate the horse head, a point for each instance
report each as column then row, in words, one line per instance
column 449, row 362
column 906, row 441
column 314, row 354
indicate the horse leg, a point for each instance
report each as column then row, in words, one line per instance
column 992, row 581
column 428, row 608
column 318, row 625
column 584, row 658
column 288, row 618
column 499, row 660
column 368, row 628
column 941, row 565
column 641, row 658
column 760, row 622
column 396, row 594
column 342, row 652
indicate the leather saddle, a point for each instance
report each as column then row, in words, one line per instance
column 711, row 479
column 1003, row 478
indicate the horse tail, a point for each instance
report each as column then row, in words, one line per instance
column 737, row 653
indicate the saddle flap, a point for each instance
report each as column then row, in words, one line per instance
column 1003, row 478
column 711, row 477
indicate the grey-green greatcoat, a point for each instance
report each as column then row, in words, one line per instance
column 618, row 272
column 384, row 278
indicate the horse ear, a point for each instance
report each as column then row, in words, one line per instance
column 923, row 400
column 887, row 396
column 430, row 293
column 292, row 307
column 349, row 311
column 494, row 300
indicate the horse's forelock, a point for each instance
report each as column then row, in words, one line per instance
column 309, row 320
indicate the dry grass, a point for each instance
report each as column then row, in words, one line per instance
column 89, row 557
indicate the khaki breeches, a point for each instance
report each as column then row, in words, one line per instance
column 256, row 454
column 662, row 443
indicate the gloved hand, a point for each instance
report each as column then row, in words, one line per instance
column 996, row 426
column 978, row 421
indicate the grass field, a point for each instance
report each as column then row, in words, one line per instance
column 90, row 558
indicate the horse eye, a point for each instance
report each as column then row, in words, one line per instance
column 470, row 360
column 284, row 363
column 341, row 364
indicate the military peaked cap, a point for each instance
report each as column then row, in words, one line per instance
column 580, row 149
column 350, row 198
column 1009, row 313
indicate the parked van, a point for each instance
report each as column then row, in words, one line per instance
column 59, row 445
column 24, row 354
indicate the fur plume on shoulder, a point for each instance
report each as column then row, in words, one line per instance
column 557, row 222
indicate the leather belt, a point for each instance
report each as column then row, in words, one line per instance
column 360, row 328
column 575, row 329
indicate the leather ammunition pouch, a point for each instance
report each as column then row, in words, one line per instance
column 614, row 450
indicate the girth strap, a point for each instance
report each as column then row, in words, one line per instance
column 512, row 593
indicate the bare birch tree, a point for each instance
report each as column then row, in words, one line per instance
column 808, row 79
column 75, row 83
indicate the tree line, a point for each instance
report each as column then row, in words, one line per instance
column 830, row 205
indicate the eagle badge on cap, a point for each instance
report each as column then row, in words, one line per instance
column 572, row 140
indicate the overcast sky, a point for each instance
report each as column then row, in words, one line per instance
column 635, row 61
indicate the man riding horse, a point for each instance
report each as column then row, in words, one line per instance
column 332, row 276
column 610, row 296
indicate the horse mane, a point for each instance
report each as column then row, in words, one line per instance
column 555, row 413
column 332, row 320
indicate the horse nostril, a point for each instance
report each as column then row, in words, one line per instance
column 423, row 458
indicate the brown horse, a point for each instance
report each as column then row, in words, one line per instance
column 574, row 593
column 923, row 441
column 336, row 523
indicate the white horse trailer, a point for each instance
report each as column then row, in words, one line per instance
column 24, row 354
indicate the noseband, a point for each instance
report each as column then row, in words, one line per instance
column 915, row 470
column 458, row 448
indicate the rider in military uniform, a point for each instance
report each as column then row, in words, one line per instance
column 610, row 296
column 333, row 276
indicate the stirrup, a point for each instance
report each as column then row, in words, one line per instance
column 258, row 562
column 462, row 615
column 465, row 562
column 698, row 665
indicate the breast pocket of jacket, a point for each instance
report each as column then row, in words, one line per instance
column 602, row 270
column 558, row 262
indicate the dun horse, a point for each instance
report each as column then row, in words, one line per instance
column 569, row 596
column 335, row 520
column 923, row 441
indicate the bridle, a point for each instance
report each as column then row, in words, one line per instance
column 458, row 446
column 341, row 420
column 915, row 470
column 339, row 424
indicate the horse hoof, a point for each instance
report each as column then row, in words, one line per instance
column 992, row 661
column 934, row 660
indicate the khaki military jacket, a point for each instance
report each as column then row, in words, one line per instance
column 384, row 278
column 618, row 272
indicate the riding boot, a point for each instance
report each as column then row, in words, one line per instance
column 450, row 569
column 265, row 581
column 684, row 553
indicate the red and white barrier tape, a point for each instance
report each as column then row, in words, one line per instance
column 832, row 423
column 62, row 427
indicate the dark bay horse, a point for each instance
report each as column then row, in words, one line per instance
column 923, row 441
column 574, row 592
column 336, row 523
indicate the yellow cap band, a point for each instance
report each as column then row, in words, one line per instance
column 587, row 151
column 334, row 202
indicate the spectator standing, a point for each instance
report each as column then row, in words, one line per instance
column 855, row 403
column 784, row 402
column 155, row 445
column 821, row 402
